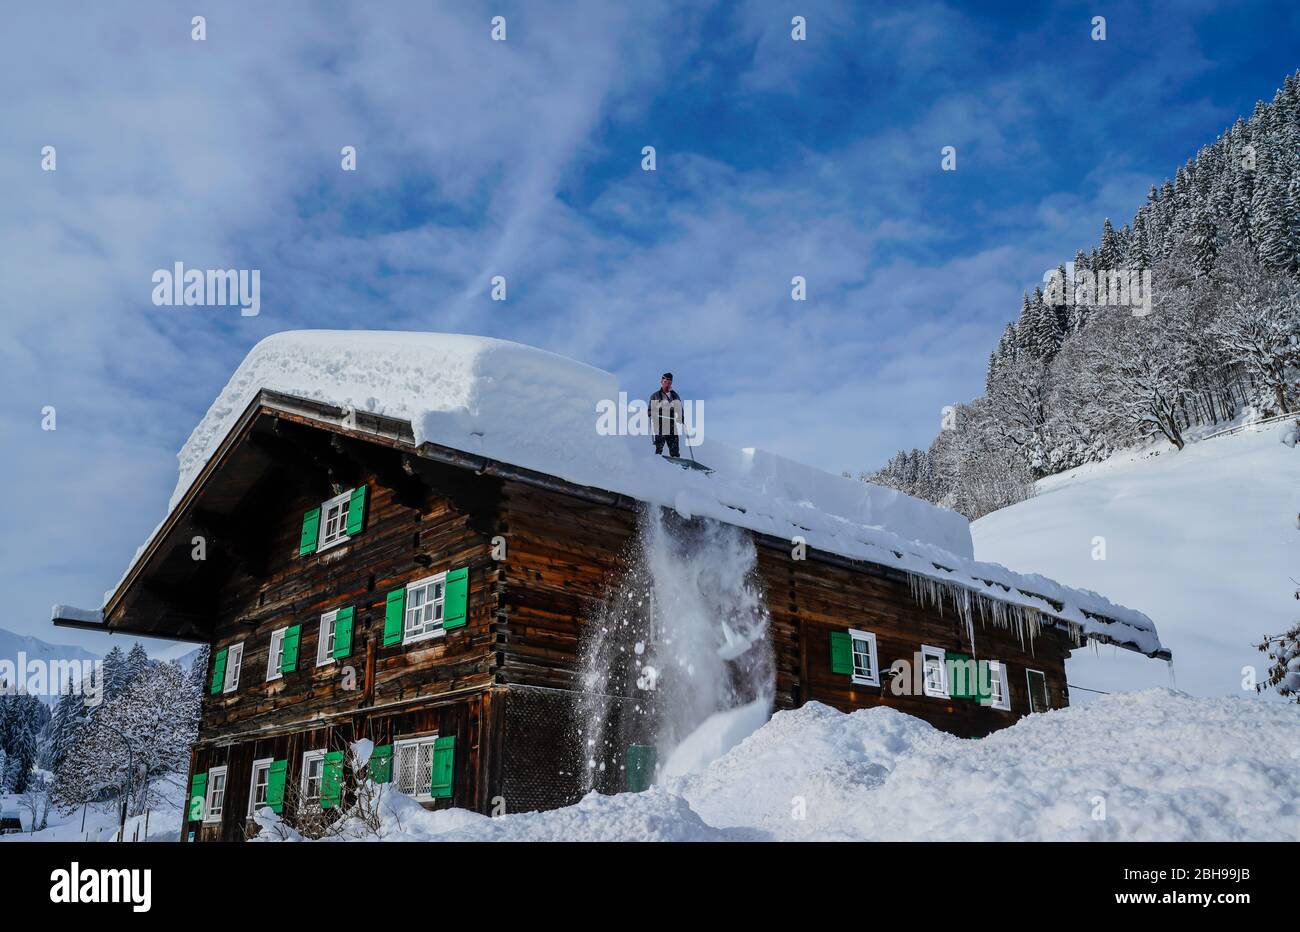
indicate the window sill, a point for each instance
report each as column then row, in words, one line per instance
column 326, row 662
column 938, row 695
column 320, row 548
column 863, row 681
column 427, row 636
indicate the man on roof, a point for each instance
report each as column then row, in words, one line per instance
column 666, row 416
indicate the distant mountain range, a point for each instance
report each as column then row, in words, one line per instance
column 36, row 650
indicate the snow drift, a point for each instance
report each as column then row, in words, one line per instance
column 1155, row 765
column 530, row 408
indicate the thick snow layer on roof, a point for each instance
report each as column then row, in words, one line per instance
column 537, row 410
column 1171, row 768
column 531, row 408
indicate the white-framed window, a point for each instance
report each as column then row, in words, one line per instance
column 424, row 605
column 865, row 670
column 234, row 659
column 934, row 671
column 313, row 770
column 413, row 766
column 257, row 788
column 999, row 694
column 275, row 659
column 1036, row 680
column 216, row 794
column 333, row 521
column 325, row 643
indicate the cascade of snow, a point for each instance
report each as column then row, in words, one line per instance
column 682, row 637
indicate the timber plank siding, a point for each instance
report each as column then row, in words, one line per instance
column 505, row 683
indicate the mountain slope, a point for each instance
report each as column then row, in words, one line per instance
column 1204, row 541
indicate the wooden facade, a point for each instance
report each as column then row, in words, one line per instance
column 503, row 684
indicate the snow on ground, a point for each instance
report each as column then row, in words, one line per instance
column 530, row 408
column 1154, row 765
column 102, row 821
column 1205, row 541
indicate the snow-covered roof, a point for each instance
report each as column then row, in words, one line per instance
column 533, row 409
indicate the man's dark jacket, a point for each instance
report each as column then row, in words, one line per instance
column 664, row 411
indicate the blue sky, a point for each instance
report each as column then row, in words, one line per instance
column 522, row 158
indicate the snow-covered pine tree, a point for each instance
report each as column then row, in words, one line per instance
column 1041, row 330
column 115, row 673
column 137, row 661
column 22, row 718
column 1109, row 246
column 1272, row 226
column 198, row 672
column 1283, row 651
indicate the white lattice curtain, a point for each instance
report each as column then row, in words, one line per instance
column 414, row 766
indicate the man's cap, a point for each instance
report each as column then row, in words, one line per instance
column 667, row 375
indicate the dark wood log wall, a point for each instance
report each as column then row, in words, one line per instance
column 400, row 544
column 809, row 599
column 469, row 719
column 399, row 691
column 525, row 617
column 563, row 556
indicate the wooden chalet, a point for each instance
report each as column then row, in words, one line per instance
column 350, row 590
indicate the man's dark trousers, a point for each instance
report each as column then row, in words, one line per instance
column 671, row 439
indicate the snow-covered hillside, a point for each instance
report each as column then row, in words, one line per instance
column 1204, row 541
column 1154, row 765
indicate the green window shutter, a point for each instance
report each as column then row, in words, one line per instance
column 357, row 510
column 289, row 662
column 1037, row 691
column 394, row 610
column 983, row 683
column 218, row 671
column 453, row 604
column 961, row 673
column 343, row 632
column 310, row 532
column 639, row 767
column 444, row 756
column 381, row 763
column 331, row 781
column 841, row 653
column 198, row 796
column 275, row 785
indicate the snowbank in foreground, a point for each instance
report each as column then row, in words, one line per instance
column 1155, row 765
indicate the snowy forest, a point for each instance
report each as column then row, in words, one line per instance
column 1073, row 381
column 110, row 752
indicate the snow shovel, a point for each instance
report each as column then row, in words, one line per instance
column 691, row 463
